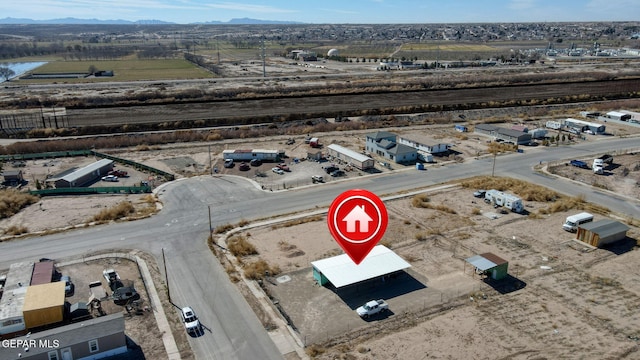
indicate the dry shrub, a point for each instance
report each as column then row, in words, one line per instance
column 214, row 135
column 423, row 201
column 295, row 253
column 143, row 147
column 420, row 201
column 568, row 203
column 223, row 228
column 114, row 213
column 285, row 246
column 314, row 350
column 258, row 270
column 12, row 201
column 298, row 221
column 243, row 222
column 239, row 246
column 496, row 147
column 16, row 230
column 476, row 211
column 421, row 237
column 527, row 191
column 149, row 199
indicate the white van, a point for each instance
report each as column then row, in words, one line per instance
column 572, row 222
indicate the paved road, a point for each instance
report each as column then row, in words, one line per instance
column 197, row 280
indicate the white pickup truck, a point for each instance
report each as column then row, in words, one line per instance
column 372, row 307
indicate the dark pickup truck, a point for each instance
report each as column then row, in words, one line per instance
column 580, row 164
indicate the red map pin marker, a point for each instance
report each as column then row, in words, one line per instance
column 357, row 219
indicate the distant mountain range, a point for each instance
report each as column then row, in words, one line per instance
column 241, row 21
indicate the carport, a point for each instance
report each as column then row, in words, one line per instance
column 489, row 264
column 340, row 271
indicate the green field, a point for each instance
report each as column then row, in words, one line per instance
column 125, row 70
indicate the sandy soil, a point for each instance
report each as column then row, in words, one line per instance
column 585, row 305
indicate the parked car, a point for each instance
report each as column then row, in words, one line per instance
column 255, row 162
column 228, row 163
column 111, row 178
column 277, row 171
column 284, row 167
column 330, row 169
column 479, row 193
column 191, row 322
column 68, row 285
column 244, row 166
column 317, row 178
column 290, row 141
column 338, row 173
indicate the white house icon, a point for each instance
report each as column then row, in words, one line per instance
column 357, row 215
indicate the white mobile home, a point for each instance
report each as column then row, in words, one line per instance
column 584, row 126
column 248, row 155
column 354, row 158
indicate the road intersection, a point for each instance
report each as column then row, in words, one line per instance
column 197, row 279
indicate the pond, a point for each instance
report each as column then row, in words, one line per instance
column 21, row 67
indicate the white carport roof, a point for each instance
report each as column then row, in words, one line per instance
column 342, row 271
column 481, row 263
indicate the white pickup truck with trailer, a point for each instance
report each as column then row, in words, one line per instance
column 572, row 222
column 499, row 198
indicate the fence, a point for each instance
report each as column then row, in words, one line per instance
column 93, row 190
column 56, row 154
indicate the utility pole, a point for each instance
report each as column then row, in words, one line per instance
column 264, row 61
column 218, row 48
column 210, row 226
column 494, row 164
column 166, row 276
column 210, row 165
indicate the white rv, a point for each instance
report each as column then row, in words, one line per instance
column 572, row 222
column 499, row 198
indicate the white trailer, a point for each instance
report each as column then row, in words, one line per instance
column 499, row 198
column 250, row 154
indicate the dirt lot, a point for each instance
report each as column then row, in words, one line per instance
column 443, row 310
column 621, row 177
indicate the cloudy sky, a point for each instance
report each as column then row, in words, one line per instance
column 329, row 11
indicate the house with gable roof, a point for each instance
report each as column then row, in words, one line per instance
column 385, row 144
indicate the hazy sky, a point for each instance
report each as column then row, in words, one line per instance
column 329, row 11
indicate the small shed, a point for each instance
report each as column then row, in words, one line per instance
column 12, row 176
column 314, row 155
column 490, row 264
column 602, row 232
column 79, row 311
column 43, row 304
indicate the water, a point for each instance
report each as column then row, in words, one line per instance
column 21, row 67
